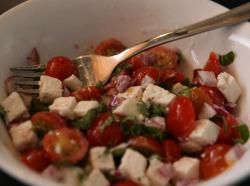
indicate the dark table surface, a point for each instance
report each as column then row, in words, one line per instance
column 7, row 4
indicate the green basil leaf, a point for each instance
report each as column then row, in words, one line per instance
column 85, row 122
column 186, row 82
column 121, row 67
column 157, row 110
column 37, row 106
column 185, row 92
column 154, row 132
column 180, row 56
column 99, row 84
column 2, row 113
column 144, row 109
column 243, row 131
column 119, row 152
column 136, row 129
column 227, row 59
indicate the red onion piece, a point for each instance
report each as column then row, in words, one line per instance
column 115, row 101
column 157, row 122
column 220, row 110
column 123, row 82
column 166, row 171
column 33, row 58
column 207, row 78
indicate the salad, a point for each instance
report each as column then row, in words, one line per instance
column 149, row 125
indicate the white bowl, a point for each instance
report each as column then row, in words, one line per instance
column 55, row 26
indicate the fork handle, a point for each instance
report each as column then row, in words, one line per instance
column 236, row 15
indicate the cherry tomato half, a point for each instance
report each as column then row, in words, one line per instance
column 172, row 150
column 60, row 67
column 170, row 77
column 36, row 159
column 125, row 183
column 136, row 62
column 181, row 117
column 139, row 74
column 87, row 93
column 213, row 64
column 213, row 161
column 65, row 145
column 147, row 143
column 105, row 131
column 109, row 47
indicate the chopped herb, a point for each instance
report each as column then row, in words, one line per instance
column 157, row 157
column 180, row 56
column 102, row 107
column 136, row 129
column 244, row 133
column 144, row 109
column 2, row 113
column 157, row 110
column 227, row 59
column 154, row 132
column 119, row 152
column 37, row 106
column 185, row 92
column 85, row 122
column 186, row 82
column 99, row 84
column 121, row 67
column 106, row 123
column 41, row 128
column 225, row 125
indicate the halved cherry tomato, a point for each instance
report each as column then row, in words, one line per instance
column 214, row 94
column 48, row 120
column 213, row 161
column 60, row 67
column 36, row 159
column 172, row 150
column 213, row 64
column 88, row 93
column 170, row 77
column 147, row 143
column 199, row 97
column 105, row 131
column 136, row 62
column 139, row 74
column 109, row 47
column 181, row 117
column 65, row 145
column 125, row 183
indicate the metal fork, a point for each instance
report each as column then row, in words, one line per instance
column 94, row 68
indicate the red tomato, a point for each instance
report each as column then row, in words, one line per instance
column 214, row 94
column 109, row 47
column 213, row 64
column 181, row 117
column 213, row 161
column 172, row 150
column 147, row 143
column 36, row 159
column 88, row 93
column 139, row 74
column 105, row 131
column 60, row 67
column 125, row 183
column 65, row 144
column 170, row 77
column 48, row 120
column 136, row 62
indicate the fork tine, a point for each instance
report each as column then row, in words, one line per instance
column 27, row 90
column 29, row 68
column 25, row 82
column 27, row 74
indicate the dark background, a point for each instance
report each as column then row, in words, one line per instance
column 7, row 4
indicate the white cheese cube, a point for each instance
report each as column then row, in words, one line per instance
column 54, row 173
column 132, row 92
column 133, row 165
column 101, row 159
column 187, row 168
column 205, row 133
column 191, row 147
column 129, row 107
column 157, row 95
column 23, row 136
column 228, row 87
column 14, row 107
column 206, row 112
column 234, row 154
column 178, row 87
column 83, row 107
column 159, row 173
column 72, row 175
column 146, row 81
column 95, row 178
column 64, row 106
column 50, row 89
column 73, row 83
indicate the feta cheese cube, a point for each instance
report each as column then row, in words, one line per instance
column 14, row 107
column 206, row 112
column 133, row 165
column 178, row 87
column 159, row 173
column 132, row 92
column 95, row 178
column 64, row 106
column 187, row 168
column 146, row 81
column 157, row 95
column 228, row 87
column 73, row 83
column 23, row 136
column 129, row 107
column 50, row 89
column 71, row 176
column 191, row 147
column 54, row 173
column 101, row 159
column 83, row 107
column 205, row 133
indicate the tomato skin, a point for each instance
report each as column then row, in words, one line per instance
column 212, row 160
column 109, row 47
column 125, row 183
column 181, row 117
column 60, row 67
column 214, row 94
column 51, row 120
column 213, row 64
column 88, row 93
column 136, row 62
column 111, row 135
column 70, row 152
column 170, row 77
column 36, row 159
column 140, row 73
column 147, row 143
column 172, row 150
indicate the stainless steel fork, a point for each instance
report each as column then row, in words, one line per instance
column 94, row 68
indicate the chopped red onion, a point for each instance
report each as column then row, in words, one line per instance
column 115, row 101
column 166, row 171
column 112, row 92
column 207, row 78
column 220, row 110
column 123, row 82
column 33, row 58
column 157, row 122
